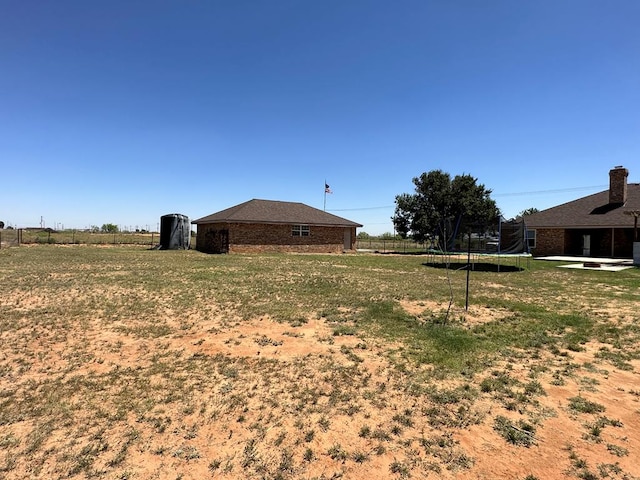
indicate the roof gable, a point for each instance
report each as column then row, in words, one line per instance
column 276, row 212
column 589, row 212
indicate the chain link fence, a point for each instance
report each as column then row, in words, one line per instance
column 9, row 237
column 391, row 245
column 14, row 237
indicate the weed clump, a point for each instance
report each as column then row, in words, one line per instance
column 519, row 433
column 582, row 405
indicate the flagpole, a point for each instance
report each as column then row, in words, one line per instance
column 326, row 190
column 324, row 208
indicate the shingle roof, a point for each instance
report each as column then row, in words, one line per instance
column 276, row 212
column 593, row 211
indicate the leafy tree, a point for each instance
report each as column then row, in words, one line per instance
column 363, row 235
column 528, row 211
column 1, row 224
column 441, row 207
column 109, row 228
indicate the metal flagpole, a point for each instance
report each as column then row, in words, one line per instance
column 327, row 189
column 324, row 208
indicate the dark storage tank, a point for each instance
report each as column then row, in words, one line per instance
column 175, row 232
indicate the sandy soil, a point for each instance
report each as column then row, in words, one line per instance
column 261, row 399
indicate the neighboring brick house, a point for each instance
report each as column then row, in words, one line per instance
column 273, row 226
column 599, row 225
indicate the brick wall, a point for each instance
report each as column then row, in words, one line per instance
column 212, row 238
column 557, row 241
column 549, row 241
column 256, row 238
column 618, row 185
column 623, row 239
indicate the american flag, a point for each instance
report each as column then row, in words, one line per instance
column 327, row 189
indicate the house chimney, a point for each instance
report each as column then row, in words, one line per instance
column 618, row 185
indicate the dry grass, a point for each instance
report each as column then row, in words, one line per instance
column 128, row 363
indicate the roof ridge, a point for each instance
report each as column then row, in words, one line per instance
column 272, row 201
column 278, row 212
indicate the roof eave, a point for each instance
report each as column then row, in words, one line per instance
column 262, row 222
column 574, row 227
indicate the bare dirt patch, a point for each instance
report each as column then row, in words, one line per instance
column 113, row 380
column 474, row 315
column 284, row 400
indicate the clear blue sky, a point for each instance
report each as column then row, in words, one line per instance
column 123, row 111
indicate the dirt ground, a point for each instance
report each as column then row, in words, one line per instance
column 218, row 397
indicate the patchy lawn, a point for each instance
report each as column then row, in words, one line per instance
column 129, row 363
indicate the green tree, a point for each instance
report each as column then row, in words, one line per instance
column 109, row 228
column 363, row 235
column 387, row 236
column 528, row 211
column 442, row 207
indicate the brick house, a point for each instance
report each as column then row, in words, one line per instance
column 599, row 225
column 274, row 226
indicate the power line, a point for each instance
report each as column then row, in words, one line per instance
column 511, row 194
column 362, row 208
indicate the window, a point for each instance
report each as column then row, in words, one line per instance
column 300, row 231
column 531, row 238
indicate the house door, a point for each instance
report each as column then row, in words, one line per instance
column 217, row 241
column 347, row 239
column 586, row 245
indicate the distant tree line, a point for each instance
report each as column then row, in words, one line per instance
column 105, row 228
column 384, row 236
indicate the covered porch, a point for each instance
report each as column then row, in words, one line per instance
column 599, row 242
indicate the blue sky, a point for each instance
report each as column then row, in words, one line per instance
column 123, row 111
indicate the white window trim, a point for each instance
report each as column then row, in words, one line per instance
column 300, row 231
column 531, row 234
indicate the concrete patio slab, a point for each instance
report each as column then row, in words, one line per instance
column 592, row 263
